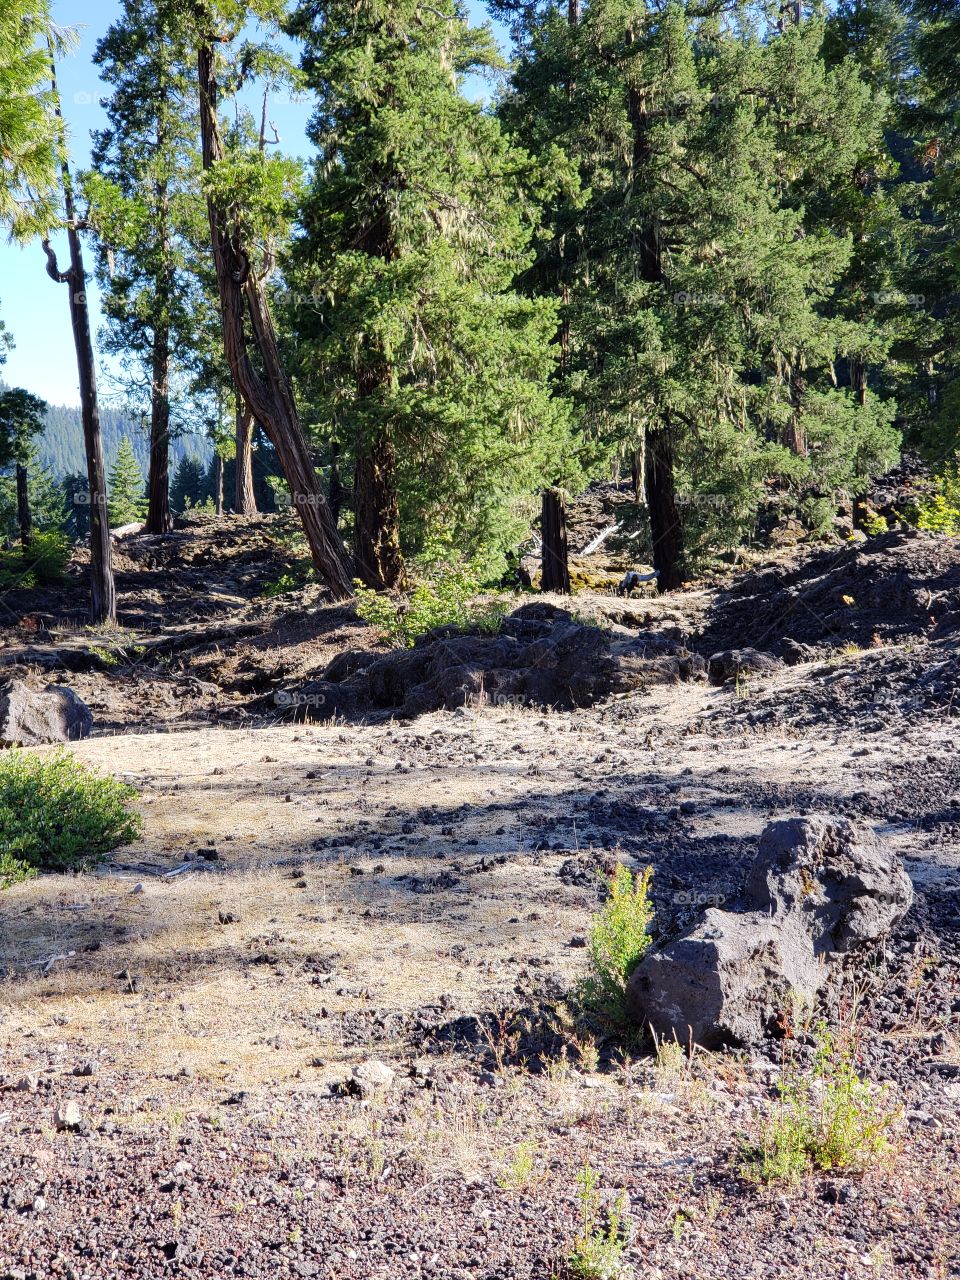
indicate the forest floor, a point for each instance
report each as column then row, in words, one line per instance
column 307, row 897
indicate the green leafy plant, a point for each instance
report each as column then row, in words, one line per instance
column 445, row 596
column 940, row 511
column 597, row 1252
column 828, row 1118
column 518, row 1173
column 14, row 870
column 57, row 815
column 619, row 938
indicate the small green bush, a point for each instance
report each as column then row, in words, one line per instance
column 44, row 563
column 828, row 1119
column 444, row 596
column 940, row 512
column 57, row 815
column 619, row 938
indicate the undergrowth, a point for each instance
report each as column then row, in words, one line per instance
column 619, row 938
column 828, row 1118
column 445, row 596
column 57, row 815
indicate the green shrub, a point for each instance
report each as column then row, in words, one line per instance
column 940, row 512
column 444, row 596
column 827, row 1119
column 43, row 563
column 619, row 939
column 13, row 870
column 57, row 815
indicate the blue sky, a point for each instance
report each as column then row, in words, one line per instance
column 33, row 307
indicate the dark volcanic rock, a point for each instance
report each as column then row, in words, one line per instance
column 540, row 656
column 820, row 891
column 733, row 663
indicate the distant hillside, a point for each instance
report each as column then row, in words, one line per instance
column 61, row 445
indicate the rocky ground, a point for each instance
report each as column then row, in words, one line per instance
column 308, row 897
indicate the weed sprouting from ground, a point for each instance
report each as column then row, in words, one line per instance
column 828, row 1118
column 597, row 1251
column 57, row 815
column 618, row 940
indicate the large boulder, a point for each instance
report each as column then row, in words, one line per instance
column 821, row 892
column 32, row 718
column 732, row 664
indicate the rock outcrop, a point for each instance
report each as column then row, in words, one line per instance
column 821, row 893
column 32, row 718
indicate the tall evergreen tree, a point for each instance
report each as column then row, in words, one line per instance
column 433, row 369
column 21, row 418
column 146, row 205
column 699, row 318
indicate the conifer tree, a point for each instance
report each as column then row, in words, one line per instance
column 430, row 368
column 126, row 487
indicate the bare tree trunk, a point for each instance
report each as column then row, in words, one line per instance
column 245, row 498
column 267, row 392
column 103, row 598
column 159, row 519
column 23, row 507
column 554, row 566
column 376, row 538
column 662, row 504
column 218, row 482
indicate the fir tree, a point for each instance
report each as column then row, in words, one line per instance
column 427, row 367
column 126, row 487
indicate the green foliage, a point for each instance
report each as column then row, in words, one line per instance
column 827, row 1120
column 58, row 815
column 14, row 870
column 445, row 596
column 597, row 1252
column 619, row 938
column 940, row 512
column 126, row 502
column 29, row 136
column 411, row 336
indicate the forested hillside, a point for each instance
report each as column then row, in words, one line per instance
column 60, row 447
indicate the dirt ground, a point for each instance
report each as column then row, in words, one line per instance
column 307, row 897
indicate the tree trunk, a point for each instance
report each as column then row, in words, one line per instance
column 662, row 504
column 376, row 538
column 858, row 379
column 103, row 598
column 666, row 534
column 794, row 437
column 23, row 507
column 218, row 482
column 267, row 392
column 338, row 493
column 245, row 498
column 159, row 519
column 636, row 473
column 554, row 566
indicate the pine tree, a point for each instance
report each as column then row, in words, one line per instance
column 21, row 418
column 189, row 488
column 126, row 487
column 147, row 208
column 434, row 370
column 701, row 318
